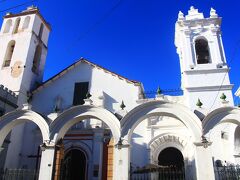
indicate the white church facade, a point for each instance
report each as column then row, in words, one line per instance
column 87, row 122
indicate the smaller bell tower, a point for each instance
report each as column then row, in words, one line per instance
column 204, row 70
column 23, row 45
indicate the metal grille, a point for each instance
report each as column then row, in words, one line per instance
column 170, row 173
column 18, row 174
column 227, row 172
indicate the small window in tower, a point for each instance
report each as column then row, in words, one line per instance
column 41, row 31
column 80, row 92
column 8, row 26
column 16, row 27
column 202, row 51
column 26, row 22
column 37, row 59
column 2, row 112
column 9, row 54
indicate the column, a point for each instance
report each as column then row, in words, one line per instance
column 46, row 166
column 110, row 159
column 203, row 161
column 122, row 162
column 188, row 50
column 216, row 54
column 97, row 155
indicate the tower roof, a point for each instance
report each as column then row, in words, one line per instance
column 30, row 10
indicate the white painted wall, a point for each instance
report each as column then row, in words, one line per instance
column 113, row 89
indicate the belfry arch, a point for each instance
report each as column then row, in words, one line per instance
column 202, row 51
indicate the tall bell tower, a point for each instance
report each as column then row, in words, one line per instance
column 23, row 50
column 204, row 69
column 23, row 44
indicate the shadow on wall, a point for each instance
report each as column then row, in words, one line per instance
column 108, row 102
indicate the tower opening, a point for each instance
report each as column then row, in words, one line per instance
column 9, row 54
column 16, row 26
column 26, row 22
column 202, row 51
column 171, row 157
column 8, row 26
column 74, row 165
column 37, row 59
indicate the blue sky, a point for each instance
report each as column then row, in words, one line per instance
column 134, row 38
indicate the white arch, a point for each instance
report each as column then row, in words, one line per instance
column 68, row 118
column 161, row 108
column 14, row 118
column 162, row 141
column 221, row 115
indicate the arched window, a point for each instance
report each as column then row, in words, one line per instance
column 17, row 22
column 26, row 22
column 40, row 31
column 8, row 26
column 237, row 140
column 9, row 54
column 37, row 58
column 202, row 51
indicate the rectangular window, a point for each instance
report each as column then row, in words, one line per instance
column 80, row 92
column 2, row 112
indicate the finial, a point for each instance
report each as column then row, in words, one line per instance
column 159, row 91
column 180, row 15
column 199, row 103
column 192, row 8
column 223, row 97
column 8, row 13
column 213, row 13
column 122, row 106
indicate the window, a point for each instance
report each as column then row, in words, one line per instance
column 37, row 59
column 8, row 26
column 26, row 22
column 80, row 92
column 2, row 112
column 202, row 51
column 17, row 22
column 9, row 54
column 40, row 31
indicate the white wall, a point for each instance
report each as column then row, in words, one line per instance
column 101, row 83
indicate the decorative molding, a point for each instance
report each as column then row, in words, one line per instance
column 209, row 88
column 207, row 71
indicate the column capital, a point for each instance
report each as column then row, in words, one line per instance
column 204, row 142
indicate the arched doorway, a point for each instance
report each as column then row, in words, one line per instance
column 74, row 165
column 171, row 164
column 171, row 157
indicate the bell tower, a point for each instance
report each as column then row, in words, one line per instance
column 23, row 44
column 204, row 70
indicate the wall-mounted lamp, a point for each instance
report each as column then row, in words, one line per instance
column 120, row 144
column 43, row 146
column 205, row 142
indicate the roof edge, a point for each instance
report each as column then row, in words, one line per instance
column 83, row 60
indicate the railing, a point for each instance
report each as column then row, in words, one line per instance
column 18, row 174
column 170, row 92
column 227, row 172
column 169, row 173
